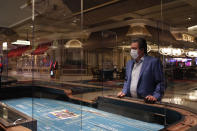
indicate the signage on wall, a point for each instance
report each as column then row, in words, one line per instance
column 187, row 37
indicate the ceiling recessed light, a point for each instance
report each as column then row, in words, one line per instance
column 75, row 21
column 189, row 18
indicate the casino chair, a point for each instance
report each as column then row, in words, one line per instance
column 118, row 74
column 178, row 73
column 190, row 73
column 96, row 74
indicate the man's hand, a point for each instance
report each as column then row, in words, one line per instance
column 151, row 98
column 121, row 94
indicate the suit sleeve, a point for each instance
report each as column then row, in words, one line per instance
column 124, row 90
column 159, row 79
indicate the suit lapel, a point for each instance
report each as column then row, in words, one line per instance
column 143, row 66
column 130, row 70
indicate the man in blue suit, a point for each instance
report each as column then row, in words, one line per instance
column 144, row 75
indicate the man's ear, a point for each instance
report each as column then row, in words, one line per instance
column 142, row 50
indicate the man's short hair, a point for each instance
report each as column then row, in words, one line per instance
column 141, row 43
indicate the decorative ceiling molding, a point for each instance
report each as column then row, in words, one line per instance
column 138, row 30
column 130, row 22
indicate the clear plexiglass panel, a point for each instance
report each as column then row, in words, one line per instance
column 85, row 65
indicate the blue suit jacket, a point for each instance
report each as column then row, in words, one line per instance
column 151, row 79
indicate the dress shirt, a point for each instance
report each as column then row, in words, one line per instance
column 135, row 77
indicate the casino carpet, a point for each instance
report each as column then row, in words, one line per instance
column 54, row 115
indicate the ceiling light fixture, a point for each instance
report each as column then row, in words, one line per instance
column 73, row 44
column 191, row 53
column 192, row 27
column 5, row 45
column 21, row 42
column 138, row 30
column 189, row 18
column 171, row 51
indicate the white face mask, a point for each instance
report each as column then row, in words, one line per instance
column 134, row 54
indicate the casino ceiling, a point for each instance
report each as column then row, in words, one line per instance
column 61, row 19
